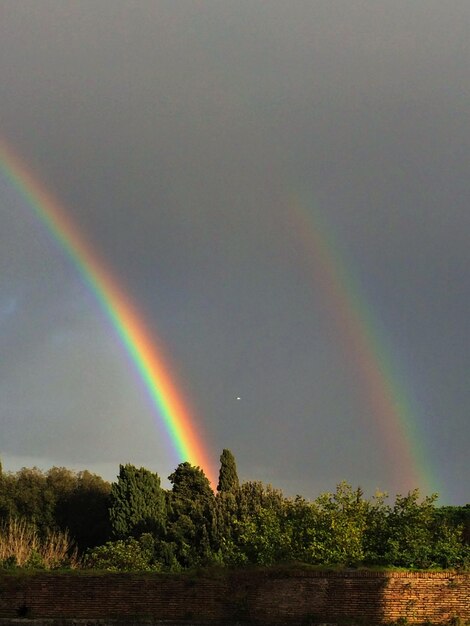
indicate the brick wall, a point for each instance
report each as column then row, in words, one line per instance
column 264, row 597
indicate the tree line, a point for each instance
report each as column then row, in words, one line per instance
column 62, row 518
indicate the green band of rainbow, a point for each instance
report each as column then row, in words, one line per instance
column 389, row 401
column 143, row 349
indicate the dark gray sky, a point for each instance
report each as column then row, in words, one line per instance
column 178, row 133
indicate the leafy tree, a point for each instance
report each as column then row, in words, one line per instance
column 83, row 509
column 58, row 500
column 252, row 525
column 7, row 497
column 456, row 517
column 254, row 496
column 263, row 538
column 228, row 477
column 414, row 535
column 340, row 522
column 302, row 519
column 60, row 483
column 376, row 531
column 33, row 499
column 137, row 503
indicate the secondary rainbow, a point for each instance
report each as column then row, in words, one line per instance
column 391, row 404
column 142, row 347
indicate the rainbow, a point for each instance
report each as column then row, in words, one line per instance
column 384, row 391
column 145, row 352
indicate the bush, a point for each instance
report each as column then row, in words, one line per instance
column 123, row 555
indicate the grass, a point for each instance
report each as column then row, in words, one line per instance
column 21, row 546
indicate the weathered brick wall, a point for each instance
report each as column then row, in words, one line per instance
column 427, row 597
column 111, row 596
column 261, row 597
column 377, row 597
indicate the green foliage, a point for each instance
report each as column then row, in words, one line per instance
column 190, row 483
column 35, row 561
column 409, row 526
column 189, row 526
column 341, row 520
column 413, row 534
column 302, row 517
column 7, row 502
column 262, row 538
column 59, row 500
column 124, row 555
column 330, row 530
column 79, row 497
column 87, row 501
column 191, row 517
column 251, row 523
column 456, row 517
column 27, row 495
column 137, row 503
column 228, row 477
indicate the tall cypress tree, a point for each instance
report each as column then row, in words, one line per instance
column 228, row 477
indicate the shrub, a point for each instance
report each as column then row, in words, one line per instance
column 123, row 555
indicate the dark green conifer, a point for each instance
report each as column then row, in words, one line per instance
column 137, row 503
column 190, row 482
column 191, row 516
column 228, row 477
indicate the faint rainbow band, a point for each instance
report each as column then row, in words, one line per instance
column 383, row 389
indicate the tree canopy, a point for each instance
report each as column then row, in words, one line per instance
column 135, row 523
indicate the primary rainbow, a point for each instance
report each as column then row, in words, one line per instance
column 129, row 324
column 384, row 390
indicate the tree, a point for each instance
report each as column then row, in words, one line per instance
column 456, row 517
column 190, row 483
column 417, row 537
column 7, row 497
column 137, row 503
column 302, row 519
column 251, row 524
column 191, row 515
column 340, row 527
column 228, row 477
column 34, row 499
column 84, row 510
